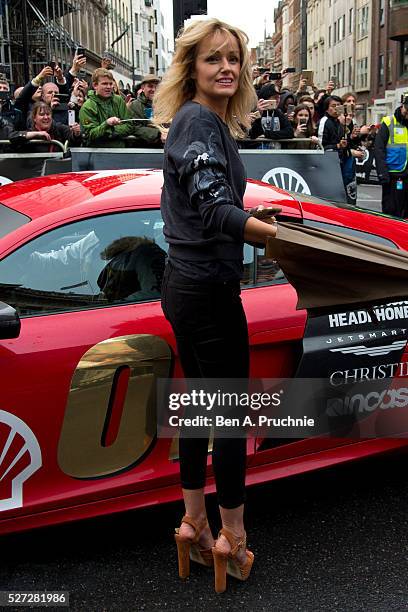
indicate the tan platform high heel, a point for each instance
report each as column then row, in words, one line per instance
column 189, row 549
column 227, row 563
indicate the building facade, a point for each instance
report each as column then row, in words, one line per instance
column 39, row 31
column 363, row 33
column 389, row 57
column 131, row 40
column 277, row 38
column 164, row 38
column 317, row 41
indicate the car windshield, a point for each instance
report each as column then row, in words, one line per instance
column 10, row 220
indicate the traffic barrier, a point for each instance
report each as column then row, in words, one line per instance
column 312, row 172
column 18, row 166
column 308, row 171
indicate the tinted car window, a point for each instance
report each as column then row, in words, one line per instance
column 112, row 259
column 10, row 220
column 268, row 270
column 340, row 229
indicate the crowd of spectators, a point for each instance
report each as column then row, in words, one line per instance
column 64, row 106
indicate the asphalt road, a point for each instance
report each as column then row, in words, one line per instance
column 369, row 196
column 333, row 540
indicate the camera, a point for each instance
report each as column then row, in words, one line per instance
column 290, row 70
column 275, row 76
column 80, row 51
column 52, row 65
column 5, row 102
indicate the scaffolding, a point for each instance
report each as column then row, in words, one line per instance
column 34, row 32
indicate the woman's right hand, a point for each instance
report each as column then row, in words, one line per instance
column 264, row 105
column 300, row 131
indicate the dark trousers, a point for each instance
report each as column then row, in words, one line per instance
column 395, row 201
column 211, row 332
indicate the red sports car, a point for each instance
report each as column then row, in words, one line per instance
column 81, row 258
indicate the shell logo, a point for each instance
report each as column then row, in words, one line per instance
column 20, row 458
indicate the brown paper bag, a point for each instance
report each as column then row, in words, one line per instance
column 329, row 269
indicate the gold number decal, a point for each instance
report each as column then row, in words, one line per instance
column 99, row 402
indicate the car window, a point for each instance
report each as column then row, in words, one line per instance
column 112, row 259
column 341, row 229
column 268, row 270
column 11, row 220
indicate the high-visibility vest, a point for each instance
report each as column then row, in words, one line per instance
column 396, row 155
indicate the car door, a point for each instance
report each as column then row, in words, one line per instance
column 77, row 414
column 276, row 331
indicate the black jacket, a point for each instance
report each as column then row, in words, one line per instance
column 330, row 131
column 380, row 146
column 58, row 131
column 266, row 123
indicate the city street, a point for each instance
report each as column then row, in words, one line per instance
column 333, row 540
column 369, row 196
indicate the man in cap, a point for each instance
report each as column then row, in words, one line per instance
column 391, row 157
column 142, row 108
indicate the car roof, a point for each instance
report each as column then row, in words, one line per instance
column 47, row 195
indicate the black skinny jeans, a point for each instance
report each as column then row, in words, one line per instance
column 211, row 332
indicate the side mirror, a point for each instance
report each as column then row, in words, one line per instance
column 10, row 323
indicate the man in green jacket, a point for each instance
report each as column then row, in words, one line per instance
column 101, row 114
column 141, row 108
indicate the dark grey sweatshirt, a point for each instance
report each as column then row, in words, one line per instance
column 202, row 197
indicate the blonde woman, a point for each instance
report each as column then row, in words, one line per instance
column 206, row 96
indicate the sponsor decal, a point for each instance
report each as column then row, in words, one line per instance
column 371, row 335
column 375, row 372
column 358, row 364
column 20, row 458
column 386, row 312
column 360, row 403
column 373, row 351
column 285, row 178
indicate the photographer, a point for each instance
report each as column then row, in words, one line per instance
column 44, row 128
column 304, row 127
column 271, row 123
column 77, row 99
column 335, row 135
column 34, row 89
column 77, row 70
column 58, row 101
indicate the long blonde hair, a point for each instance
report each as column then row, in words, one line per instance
column 178, row 86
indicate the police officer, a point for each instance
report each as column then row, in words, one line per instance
column 391, row 157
